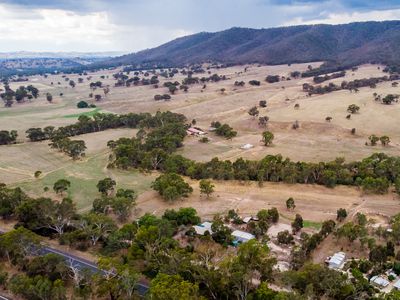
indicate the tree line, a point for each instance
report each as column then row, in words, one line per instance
column 353, row 85
column 101, row 122
column 320, row 79
column 373, row 174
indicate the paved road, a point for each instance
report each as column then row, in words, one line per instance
column 4, row 298
column 81, row 264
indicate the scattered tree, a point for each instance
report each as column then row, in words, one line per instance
column 290, row 203
column 267, row 138
column 206, row 187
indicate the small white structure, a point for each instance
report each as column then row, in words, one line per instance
column 202, row 228
column 246, row 146
column 195, row 131
column 397, row 285
column 337, row 260
column 242, row 236
column 379, row 282
column 247, row 219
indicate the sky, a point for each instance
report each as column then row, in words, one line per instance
column 133, row 25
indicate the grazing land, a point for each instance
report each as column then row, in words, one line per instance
column 316, row 139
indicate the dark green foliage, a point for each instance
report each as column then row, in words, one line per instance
column 171, row 187
column 8, row 137
column 341, row 214
column 285, row 237
column 221, row 233
column 290, row 203
column 106, row 185
column 37, row 288
column 320, row 281
column 378, row 254
column 272, row 78
column 73, row 148
column 389, row 99
column 61, row 185
column 184, row 216
column 82, row 104
column 375, row 185
column 254, row 82
column 297, row 224
column 20, row 94
column 10, row 199
column 51, row 266
column 320, row 79
column 171, row 287
column 224, row 130
column 351, row 85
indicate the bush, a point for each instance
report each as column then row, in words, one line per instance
column 284, row 237
column 171, row 186
column 272, row 78
column 375, row 185
column 82, row 104
column 254, row 82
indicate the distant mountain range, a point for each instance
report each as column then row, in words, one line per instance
column 26, row 63
column 347, row 44
column 29, row 54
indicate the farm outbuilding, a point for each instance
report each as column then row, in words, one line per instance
column 337, row 260
column 379, row 281
column 203, row 228
column 242, row 236
column 397, row 285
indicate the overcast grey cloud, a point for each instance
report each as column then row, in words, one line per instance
column 132, row 25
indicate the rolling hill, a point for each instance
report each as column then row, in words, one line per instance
column 347, row 44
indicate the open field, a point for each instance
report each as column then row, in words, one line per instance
column 315, row 140
column 315, row 203
column 19, row 162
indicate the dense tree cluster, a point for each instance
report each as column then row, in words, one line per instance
column 171, row 186
column 239, row 83
column 150, row 149
column 224, row 130
column 320, row 79
column 326, row 68
column 73, row 148
column 8, row 137
column 374, row 173
column 272, row 78
column 350, row 85
column 254, row 82
column 20, row 95
column 162, row 97
column 100, row 122
column 388, row 99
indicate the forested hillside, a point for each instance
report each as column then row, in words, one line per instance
column 348, row 44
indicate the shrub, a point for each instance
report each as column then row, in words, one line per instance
column 82, row 104
column 284, row 237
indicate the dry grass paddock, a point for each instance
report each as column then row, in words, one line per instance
column 315, row 140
